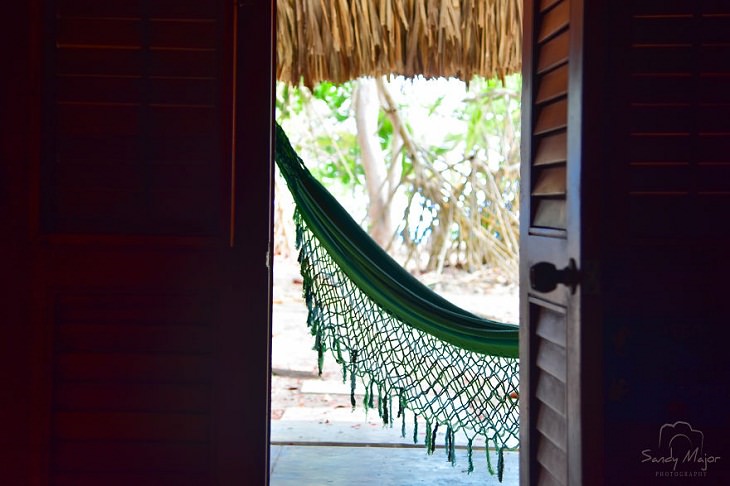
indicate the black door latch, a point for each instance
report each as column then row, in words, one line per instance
column 545, row 277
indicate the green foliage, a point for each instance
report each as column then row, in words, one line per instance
column 385, row 131
column 336, row 96
column 289, row 102
column 329, row 145
column 341, row 161
column 465, row 172
column 434, row 106
column 489, row 107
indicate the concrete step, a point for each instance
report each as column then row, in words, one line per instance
column 331, row 387
column 344, row 426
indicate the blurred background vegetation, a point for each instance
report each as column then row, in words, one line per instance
column 429, row 167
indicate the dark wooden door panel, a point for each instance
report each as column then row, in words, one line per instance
column 142, row 331
column 668, row 244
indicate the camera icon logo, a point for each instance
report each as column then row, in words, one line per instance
column 676, row 439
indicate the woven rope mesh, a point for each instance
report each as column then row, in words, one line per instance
column 459, row 390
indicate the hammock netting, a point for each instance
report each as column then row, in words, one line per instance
column 412, row 349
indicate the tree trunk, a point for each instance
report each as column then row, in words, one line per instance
column 367, row 107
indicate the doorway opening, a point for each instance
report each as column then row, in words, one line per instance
column 466, row 141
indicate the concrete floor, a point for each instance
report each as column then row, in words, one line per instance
column 301, row 465
column 349, row 448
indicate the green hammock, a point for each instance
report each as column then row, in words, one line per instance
column 405, row 342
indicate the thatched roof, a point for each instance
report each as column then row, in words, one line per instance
column 337, row 40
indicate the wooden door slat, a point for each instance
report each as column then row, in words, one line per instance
column 662, row 88
column 156, row 457
column 661, row 119
column 159, row 91
column 99, row 31
column 103, row 205
column 713, row 88
column 553, row 85
column 660, row 177
column 553, row 459
column 661, row 8
column 662, row 59
column 713, row 148
column 663, row 30
column 550, row 213
column 553, row 53
column 133, row 368
column 553, row 426
column 660, row 148
column 550, row 391
column 552, row 116
column 712, row 59
column 138, row 308
column 554, row 20
column 137, row 339
column 544, row 478
column 93, row 32
column 185, row 63
column 713, row 177
column 551, row 149
column 551, row 326
column 713, row 118
column 107, row 148
column 89, row 176
column 176, row 33
column 98, row 119
column 546, row 4
column 551, row 358
column 132, row 397
column 714, row 28
column 551, row 181
column 117, row 426
column 182, row 121
column 172, row 9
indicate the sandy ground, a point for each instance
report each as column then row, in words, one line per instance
column 294, row 363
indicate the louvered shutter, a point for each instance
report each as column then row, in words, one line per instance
column 151, row 306
column 679, row 119
column 549, row 320
column 136, row 124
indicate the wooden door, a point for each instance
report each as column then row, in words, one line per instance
column 556, row 306
column 666, row 142
column 625, row 171
column 143, row 223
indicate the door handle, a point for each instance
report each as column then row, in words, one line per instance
column 545, row 277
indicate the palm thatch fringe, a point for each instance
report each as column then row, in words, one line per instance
column 338, row 40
